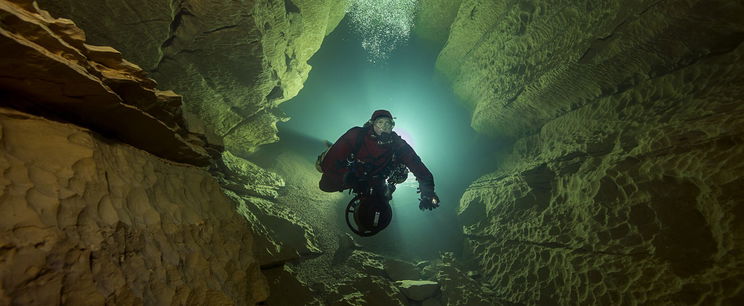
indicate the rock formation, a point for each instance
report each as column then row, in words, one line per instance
column 623, row 185
column 87, row 217
column 86, row 221
column 624, row 182
column 48, row 68
column 233, row 61
column 434, row 18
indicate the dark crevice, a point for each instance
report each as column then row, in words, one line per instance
column 174, row 25
column 144, row 21
column 5, row 249
column 177, row 21
column 649, row 7
column 220, row 29
column 287, row 61
column 108, row 183
column 276, row 93
column 291, row 7
column 600, row 42
column 516, row 96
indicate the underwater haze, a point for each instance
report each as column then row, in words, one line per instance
column 345, row 87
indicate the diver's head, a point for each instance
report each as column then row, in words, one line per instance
column 382, row 122
column 383, row 125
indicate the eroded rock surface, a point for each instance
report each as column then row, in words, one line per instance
column 89, row 221
column 434, row 18
column 418, row 290
column 538, row 61
column 624, row 185
column 233, row 61
column 47, row 68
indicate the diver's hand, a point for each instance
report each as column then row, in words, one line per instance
column 429, row 202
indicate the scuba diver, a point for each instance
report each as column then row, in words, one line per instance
column 369, row 161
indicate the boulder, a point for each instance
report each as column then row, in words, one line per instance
column 400, row 270
column 418, row 290
column 367, row 290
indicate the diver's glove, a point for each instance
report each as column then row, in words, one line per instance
column 429, row 202
column 429, row 199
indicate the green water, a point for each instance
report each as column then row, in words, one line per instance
column 345, row 87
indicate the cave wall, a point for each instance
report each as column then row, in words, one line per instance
column 233, row 61
column 87, row 221
column 624, row 184
column 105, row 199
column 433, row 20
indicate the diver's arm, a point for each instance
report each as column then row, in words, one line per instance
column 339, row 151
column 429, row 199
column 414, row 163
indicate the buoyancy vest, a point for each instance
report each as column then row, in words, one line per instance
column 393, row 170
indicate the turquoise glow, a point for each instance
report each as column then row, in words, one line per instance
column 343, row 90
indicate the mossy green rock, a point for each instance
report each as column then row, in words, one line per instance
column 233, row 61
column 623, row 184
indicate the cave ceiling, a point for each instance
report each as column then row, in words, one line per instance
column 234, row 63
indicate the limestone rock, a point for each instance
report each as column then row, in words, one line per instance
column 233, row 61
column 280, row 235
column 91, row 221
column 400, row 270
column 246, row 178
column 418, row 290
column 286, row 289
column 623, row 185
column 427, row 269
column 537, row 60
column 367, row 290
column 459, row 289
column 367, row 263
column 346, row 247
column 47, row 69
column 434, row 18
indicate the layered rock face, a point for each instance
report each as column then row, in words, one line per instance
column 624, row 185
column 47, row 68
column 88, row 219
column 233, row 61
column 86, row 222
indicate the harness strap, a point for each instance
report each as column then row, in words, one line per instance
column 360, row 141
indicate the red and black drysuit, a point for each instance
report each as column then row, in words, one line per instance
column 373, row 161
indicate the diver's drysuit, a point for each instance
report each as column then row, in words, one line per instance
column 359, row 158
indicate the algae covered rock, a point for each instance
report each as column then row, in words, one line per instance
column 233, row 61
column 400, row 270
column 418, row 290
column 626, row 129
